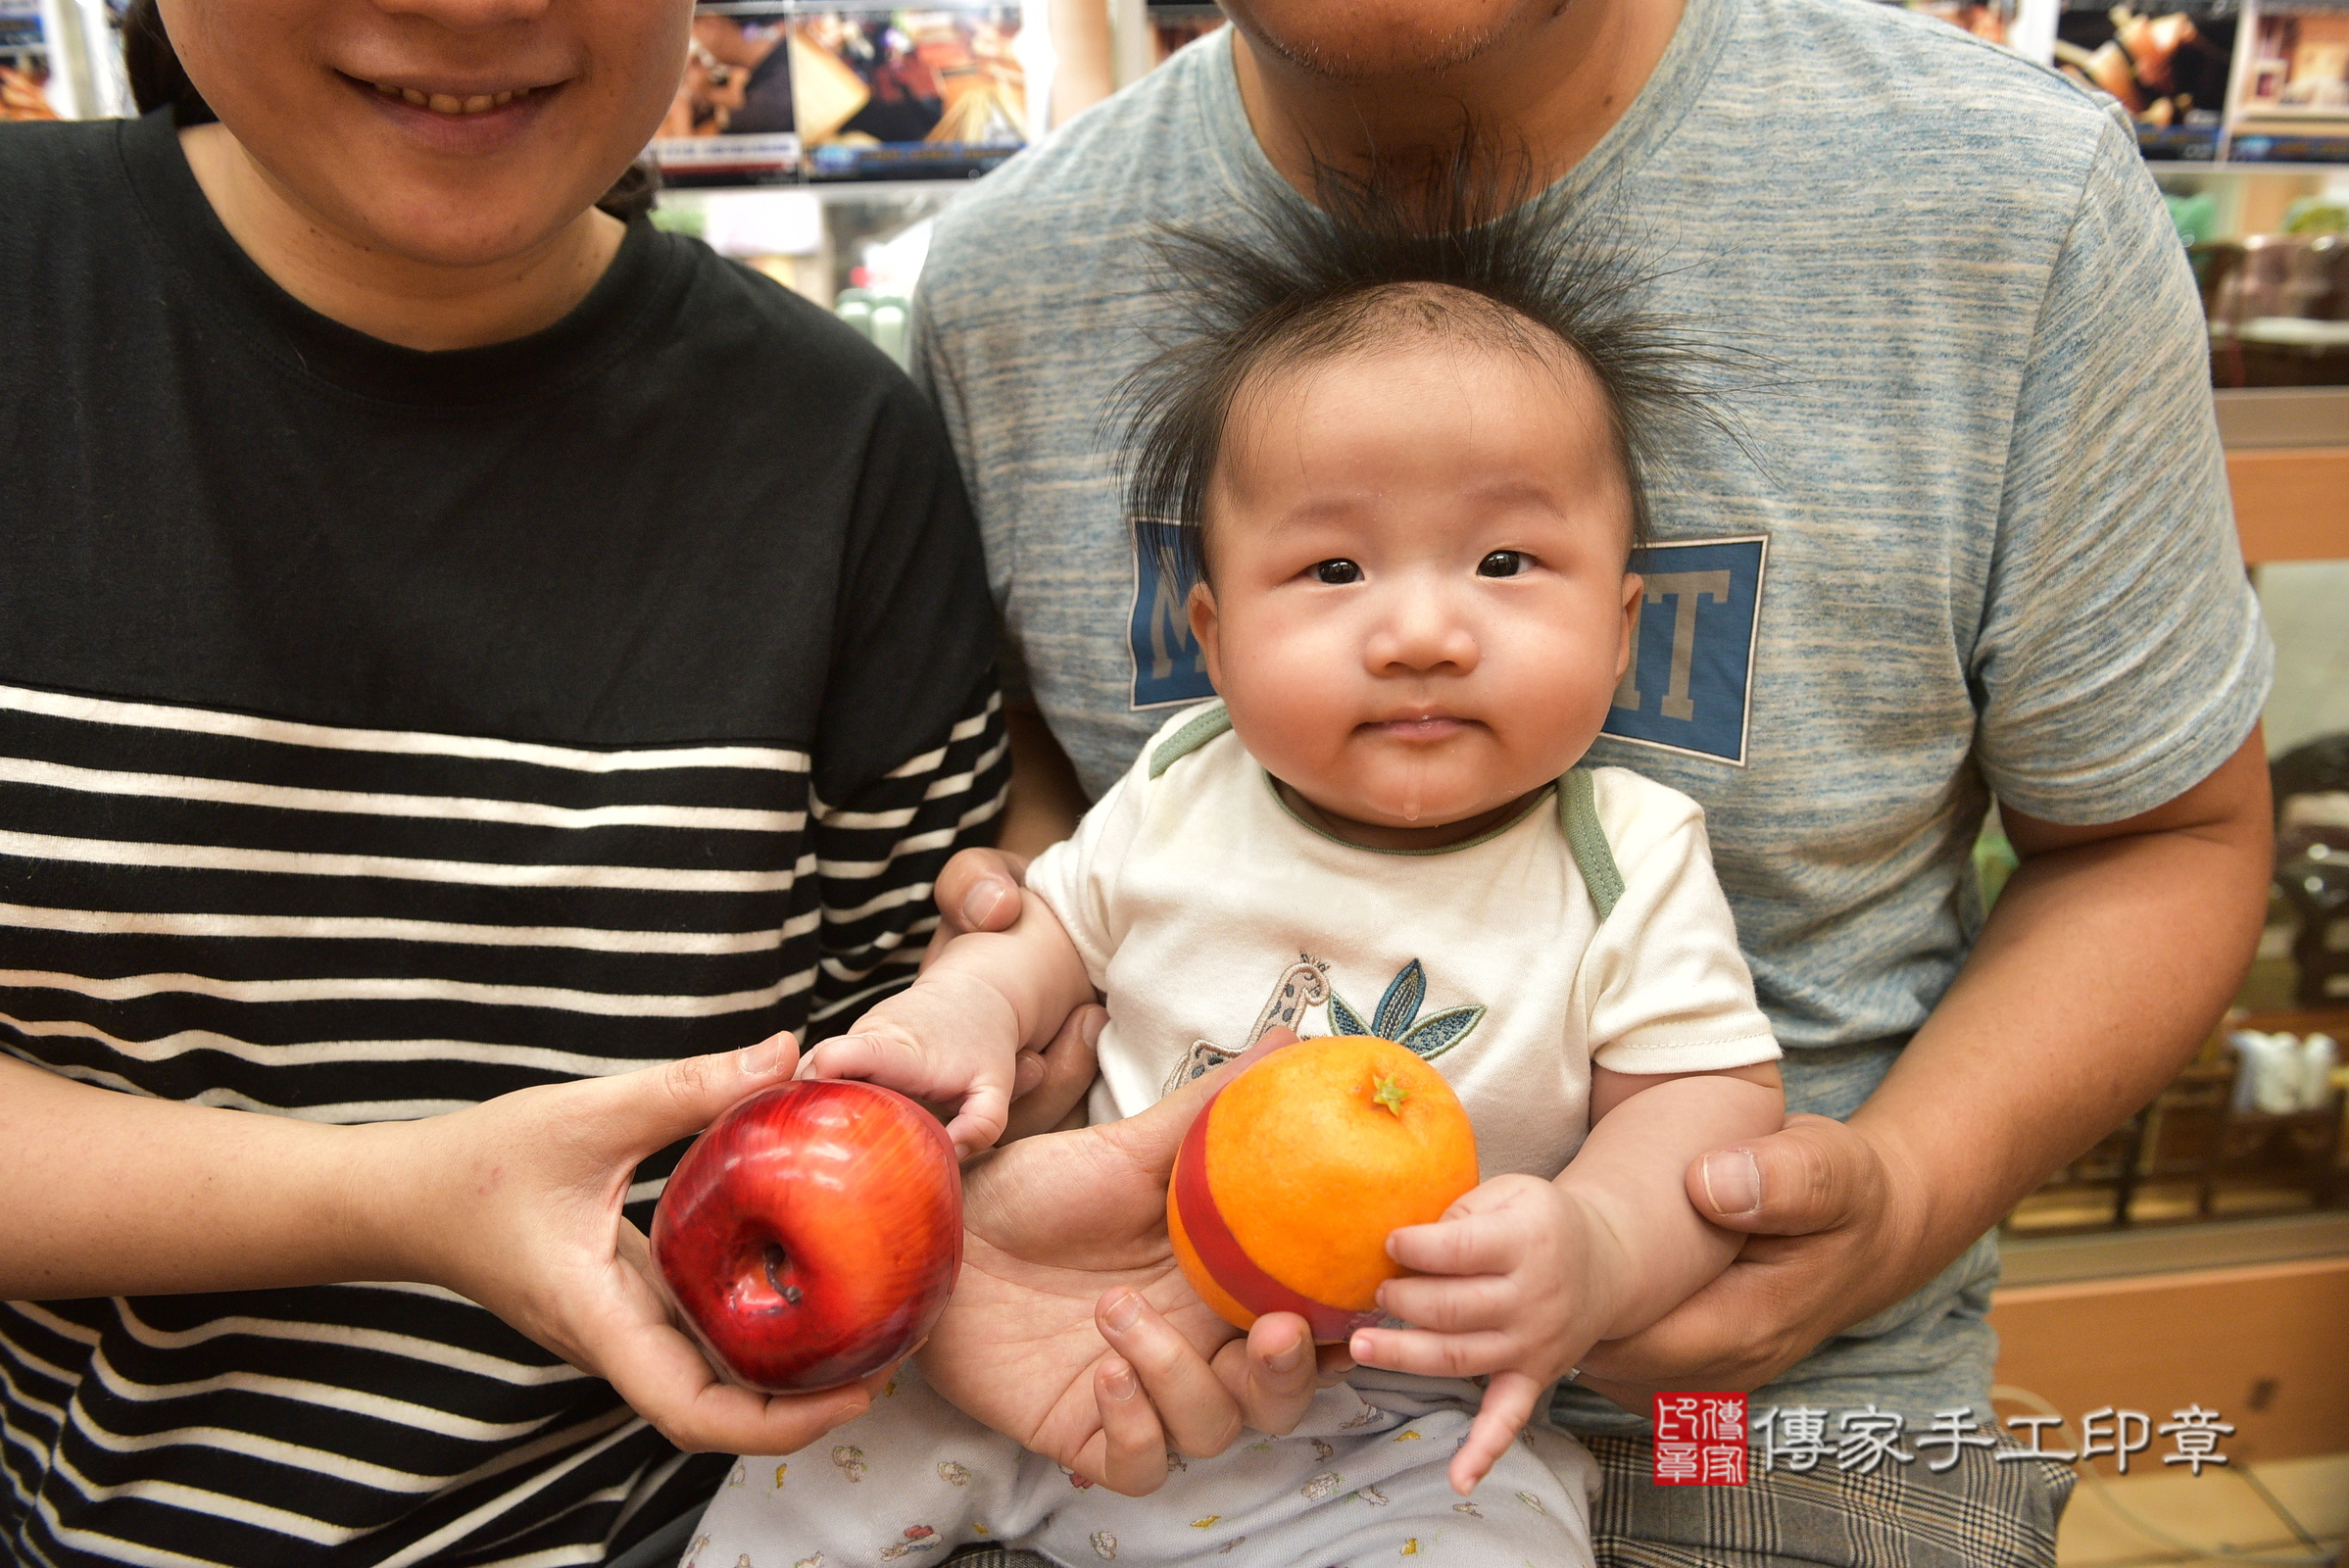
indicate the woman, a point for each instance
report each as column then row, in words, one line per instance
column 455, row 648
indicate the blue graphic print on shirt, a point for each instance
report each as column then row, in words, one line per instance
column 1691, row 674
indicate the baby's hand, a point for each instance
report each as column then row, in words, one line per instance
column 1512, row 1282
column 950, row 1038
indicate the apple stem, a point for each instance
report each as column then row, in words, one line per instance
column 775, row 1257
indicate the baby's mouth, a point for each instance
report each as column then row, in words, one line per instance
column 1418, row 727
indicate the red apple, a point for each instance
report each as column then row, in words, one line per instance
column 812, row 1233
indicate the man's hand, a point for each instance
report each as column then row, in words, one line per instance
column 1830, row 1244
column 516, row 1202
column 1511, row 1283
column 979, row 889
column 1073, row 1330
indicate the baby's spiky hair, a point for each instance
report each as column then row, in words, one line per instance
column 1466, row 247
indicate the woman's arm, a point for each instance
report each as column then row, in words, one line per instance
column 2109, row 955
column 117, row 1194
column 514, row 1204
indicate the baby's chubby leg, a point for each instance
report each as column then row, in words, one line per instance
column 1361, row 1480
column 908, row 1481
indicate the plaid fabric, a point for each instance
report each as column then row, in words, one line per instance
column 1982, row 1513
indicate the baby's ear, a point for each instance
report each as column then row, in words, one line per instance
column 1205, row 628
column 1634, row 589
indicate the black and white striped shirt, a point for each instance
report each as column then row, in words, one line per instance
column 382, row 732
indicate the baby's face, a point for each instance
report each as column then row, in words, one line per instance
column 1419, row 610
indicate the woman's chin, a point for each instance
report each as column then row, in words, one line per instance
column 465, row 227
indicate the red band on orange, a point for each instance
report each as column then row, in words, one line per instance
column 1229, row 1263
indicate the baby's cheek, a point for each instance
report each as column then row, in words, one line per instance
column 1290, row 701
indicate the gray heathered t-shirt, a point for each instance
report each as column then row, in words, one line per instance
column 1987, row 546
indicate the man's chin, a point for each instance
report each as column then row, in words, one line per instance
column 1373, row 41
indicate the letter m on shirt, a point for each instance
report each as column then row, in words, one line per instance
column 1168, row 666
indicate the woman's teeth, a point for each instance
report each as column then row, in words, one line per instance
column 442, row 103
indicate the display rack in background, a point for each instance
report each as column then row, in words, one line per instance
column 23, row 62
column 2254, row 1124
column 791, row 92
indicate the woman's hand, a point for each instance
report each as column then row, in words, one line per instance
column 1072, row 1329
column 515, row 1203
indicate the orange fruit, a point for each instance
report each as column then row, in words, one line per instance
column 1288, row 1183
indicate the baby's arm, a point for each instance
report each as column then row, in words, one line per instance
column 1521, row 1277
column 956, row 1034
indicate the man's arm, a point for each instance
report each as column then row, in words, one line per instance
column 2107, row 958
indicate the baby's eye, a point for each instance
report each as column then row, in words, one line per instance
column 1337, row 573
column 1501, row 563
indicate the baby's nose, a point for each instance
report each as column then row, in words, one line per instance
column 1424, row 632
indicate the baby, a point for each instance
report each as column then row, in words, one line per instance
column 1403, row 451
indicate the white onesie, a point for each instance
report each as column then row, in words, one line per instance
column 1589, row 928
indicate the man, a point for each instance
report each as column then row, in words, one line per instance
column 1976, row 541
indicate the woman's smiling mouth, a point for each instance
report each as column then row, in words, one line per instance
column 453, row 104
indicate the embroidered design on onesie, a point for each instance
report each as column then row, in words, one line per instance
column 781, row 1471
column 953, row 1474
column 1468, row 1508
column 1104, row 1545
column 737, row 1476
column 1372, row 1495
column 850, row 1460
column 1175, row 1462
column 1324, row 1484
column 1322, row 1452
column 1303, row 985
column 816, row 1561
column 1209, row 1523
column 1397, row 1016
column 695, row 1551
column 1532, row 1502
